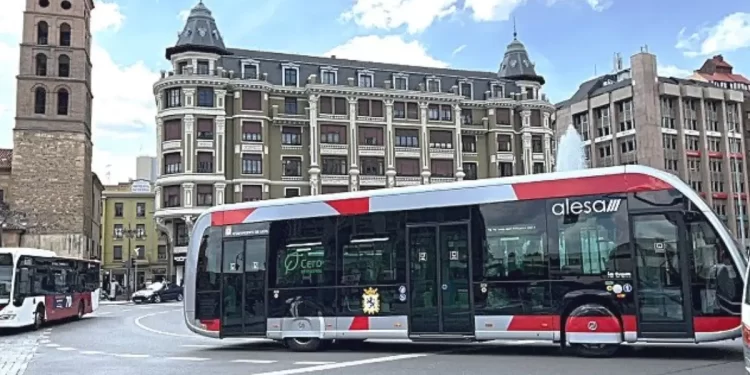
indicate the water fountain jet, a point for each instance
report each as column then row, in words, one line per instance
column 570, row 155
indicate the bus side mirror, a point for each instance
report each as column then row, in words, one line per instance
column 17, row 301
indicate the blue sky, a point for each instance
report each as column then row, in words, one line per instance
column 569, row 40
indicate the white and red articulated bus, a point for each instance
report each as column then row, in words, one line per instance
column 590, row 259
column 37, row 286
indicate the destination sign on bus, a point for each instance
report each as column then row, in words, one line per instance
column 597, row 206
column 300, row 260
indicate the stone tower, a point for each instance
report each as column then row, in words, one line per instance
column 51, row 178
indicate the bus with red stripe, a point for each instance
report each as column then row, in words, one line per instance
column 37, row 286
column 590, row 259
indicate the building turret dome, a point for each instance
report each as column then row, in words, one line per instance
column 200, row 34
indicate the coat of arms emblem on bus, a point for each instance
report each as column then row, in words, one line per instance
column 371, row 301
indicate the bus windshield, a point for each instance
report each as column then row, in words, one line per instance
column 6, row 275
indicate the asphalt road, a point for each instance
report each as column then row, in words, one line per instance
column 152, row 339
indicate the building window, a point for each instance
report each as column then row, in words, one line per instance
column 172, row 163
column 205, row 194
column 433, row 85
column 468, row 143
column 334, row 165
column 252, row 131
column 40, row 101
column 117, row 231
column 407, row 138
column 181, row 233
column 370, row 136
column 206, row 97
column 441, row 168
column 161, row 252
column 171, row 196
column 204, row 67
column 365, row 79
column 63, row 66
column 291, row 192
column 399, row 110
column 536, row 144
column 328, row 77
column 470, row 171
column 333, row 189
column 497, row 90
column 407, row 167
column 504, row 143
column 205, row 129
column 251, row 193
column 290, row 106
column 140, row 209
column 172, row 98
column 400, row 83
column 538, row 168
column 335, row 134
column 292, row 166
column 119, row 209
column 370, row 108
column 252, row 164
column 117, row 252
column 251, row 100
column 205, row 162
column 65, row 35
column 333, row 106
column 140, row 231
column 249, row 71
column 41, row 64
column 42, row 33
column 291, row 136
column 505, row 169
column 182, row 67
column 291, row 76
column 466, row 90
column 442, row 139
column 440, row 112
column 62, row 102
column 467, row 116
column 372, row 166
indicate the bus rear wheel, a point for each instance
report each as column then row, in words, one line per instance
column 38, row 319
column 304, row 344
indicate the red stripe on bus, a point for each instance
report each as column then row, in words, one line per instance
column 534, row 323
column 703, row 324
column 360, row 323
column 618, row 183
column 231, row 217
column 353, row 206
column 629, row 323
column 211, row 324
column 582, row 324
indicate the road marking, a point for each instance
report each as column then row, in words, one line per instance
column 104, row 313
column 91, row 352
column 52, row 345
column 132, row 355
column 158, row 332
column 195, row 359
column 255, row 361
column 313, row 363
column 66, row 349
column 198, row 346
column 334, row 366
column 44, row 341
column 126, row 310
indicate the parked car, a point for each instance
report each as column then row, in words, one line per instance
column 158, row 292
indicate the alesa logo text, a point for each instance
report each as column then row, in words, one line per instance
column 586, row 207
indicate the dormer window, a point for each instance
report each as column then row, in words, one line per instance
column 400, row 82
column 433, row 84
column 203, row 67
column 497, row 90
column 182, row 67
column 365, row 79
column 290, row 76
column 250, row 69
column 328, row 76
column 466, row 89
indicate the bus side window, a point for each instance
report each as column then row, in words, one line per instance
column 23, row 283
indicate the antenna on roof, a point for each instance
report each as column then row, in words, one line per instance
column 595, row 70
column 515, row 32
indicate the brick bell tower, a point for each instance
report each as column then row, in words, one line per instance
column 51, row 178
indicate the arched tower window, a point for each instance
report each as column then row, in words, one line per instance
column 41, row 64
column 65, row 35
column 40, row 101
column 63, row 66
column 63, row 98
column 42, row 33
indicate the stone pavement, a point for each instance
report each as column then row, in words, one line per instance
column 17, row 350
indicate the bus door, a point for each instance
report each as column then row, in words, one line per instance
column 243, row 283
column 661, row 284
column 439, row 280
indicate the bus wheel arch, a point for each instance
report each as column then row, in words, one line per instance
column 39, row 316
column 304, row 344
column 606, row 329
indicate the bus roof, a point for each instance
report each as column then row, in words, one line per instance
column 20, row 251
column 620, row 179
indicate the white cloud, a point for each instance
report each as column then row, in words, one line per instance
column 123, row 99
column 183, row 15
column 387, row 49
column 492, row 10
column 416, row 15
column 673, row 71
column 730, row 34
column 458, row 50
column 595, row 5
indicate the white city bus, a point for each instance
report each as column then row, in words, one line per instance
column 37, row 286
column 589, row 259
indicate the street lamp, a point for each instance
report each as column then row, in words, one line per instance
column 131, row 233
column 11, row 218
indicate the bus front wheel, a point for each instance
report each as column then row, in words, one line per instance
column 304, row 344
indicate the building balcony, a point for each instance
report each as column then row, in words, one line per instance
column 441, row 180
column 371, row 151
column 334, row 149
column 378, row 181
column 330, row 116
column 408, row 180
column 204, row 144
column 407, row 152
column 442, row 153
column 168, row 146
column 505, row 157
column 330, row 179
